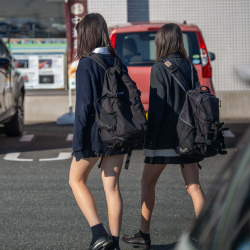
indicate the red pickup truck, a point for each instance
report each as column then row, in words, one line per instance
column 135, row 44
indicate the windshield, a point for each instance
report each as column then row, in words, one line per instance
column 138, row 49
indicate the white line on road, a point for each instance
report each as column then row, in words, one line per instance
column 14, row 157
column 61, row 156
column 69, row 137
column 26, row 138
column 229, row 133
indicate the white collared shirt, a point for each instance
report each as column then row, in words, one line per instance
column 101, row 50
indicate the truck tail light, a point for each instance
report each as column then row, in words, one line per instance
column 113, row 40
column 205, row 62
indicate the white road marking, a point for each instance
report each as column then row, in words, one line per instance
column 14, row 157
column 61, row 156
column 26, row 138
column 229, row 133
column 69, row 137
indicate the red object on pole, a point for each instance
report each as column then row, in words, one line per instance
column 74, row 10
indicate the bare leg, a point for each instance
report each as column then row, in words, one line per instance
column 111, row 169
column 79, row 172
column 190, row 174
column 150, row 176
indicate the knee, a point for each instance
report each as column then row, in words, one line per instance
column 75, row 181
column 193, row 189
column 71, row 182
column 148, row 184
column 111, row 188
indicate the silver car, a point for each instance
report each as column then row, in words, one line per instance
column 11, row 94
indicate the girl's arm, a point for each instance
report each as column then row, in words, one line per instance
column 156, row 107
column 83, row 106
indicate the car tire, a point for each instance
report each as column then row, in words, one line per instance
column 15, row 126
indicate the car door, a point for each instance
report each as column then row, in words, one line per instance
column 2, row 82
column 6, row 95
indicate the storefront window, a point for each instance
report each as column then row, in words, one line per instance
column 32, row 19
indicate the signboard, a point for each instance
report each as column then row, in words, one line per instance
column 41, row 61
column 74, row 10
column 41, row 71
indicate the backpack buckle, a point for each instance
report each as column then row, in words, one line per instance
column 210, row 118
column 110, row 128
column 118, row 69
column 111, row 94
column 208, row 142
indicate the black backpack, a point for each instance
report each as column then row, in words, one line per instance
column 122, row 119
column 200, row 133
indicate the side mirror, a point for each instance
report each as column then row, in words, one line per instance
column 4, row 62
column 212, row 56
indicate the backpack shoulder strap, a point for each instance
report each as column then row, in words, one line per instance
column 98, row 59
column 192, row 75
column 117, row 61
column 173, row 70
column 193, row 72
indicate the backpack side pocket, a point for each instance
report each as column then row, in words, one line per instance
column 186, row 136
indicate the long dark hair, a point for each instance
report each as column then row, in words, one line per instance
column 169, row 40
column 92, row 32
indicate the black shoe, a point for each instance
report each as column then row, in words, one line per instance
column 103, row 243
column 137, row 240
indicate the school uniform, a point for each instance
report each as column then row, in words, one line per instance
column 89, row 81
column 165, row 103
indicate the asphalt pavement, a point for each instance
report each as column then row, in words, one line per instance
column 37, row 207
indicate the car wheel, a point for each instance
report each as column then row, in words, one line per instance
column 15, row 126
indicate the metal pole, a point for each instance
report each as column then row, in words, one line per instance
column 70, row 100
column 68, row 118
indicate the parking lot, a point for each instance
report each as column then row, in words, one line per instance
column 38, row 210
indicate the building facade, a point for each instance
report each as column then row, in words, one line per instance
column 225, row 27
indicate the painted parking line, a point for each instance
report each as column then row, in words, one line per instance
column 69, row 137
column 61, row 156
column 26, row 138
column 229, row 134
column 14, row 157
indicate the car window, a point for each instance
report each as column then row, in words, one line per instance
column 139, row 48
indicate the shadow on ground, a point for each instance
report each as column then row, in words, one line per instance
column 52, row 136
column 46, row 136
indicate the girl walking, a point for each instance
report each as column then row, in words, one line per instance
column 87, row 147
column 165, row 103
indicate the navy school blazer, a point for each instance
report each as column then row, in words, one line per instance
column 89, row 81
column 166, row 100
